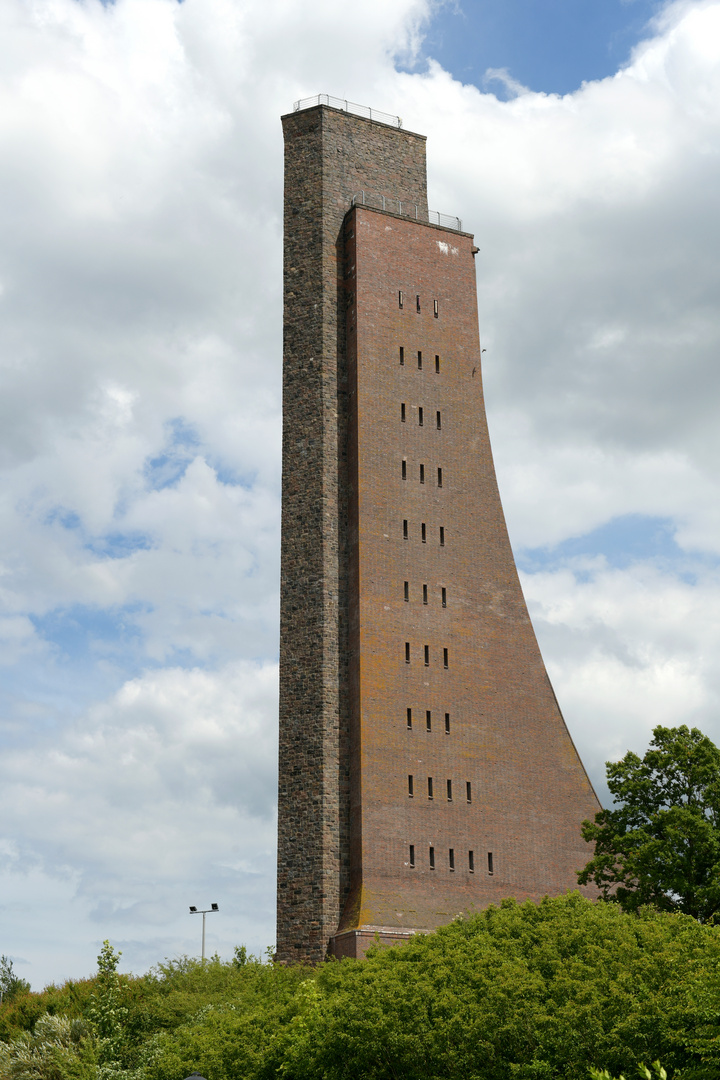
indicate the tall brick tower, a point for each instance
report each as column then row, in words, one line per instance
column 425, row 767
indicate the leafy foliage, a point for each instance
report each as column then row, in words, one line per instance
column 58, row 1049
column 10, row 984
column 516, row 992
column 661, row 846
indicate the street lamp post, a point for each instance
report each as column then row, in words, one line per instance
column 207, row 911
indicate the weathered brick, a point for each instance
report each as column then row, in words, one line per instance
column 346, row 821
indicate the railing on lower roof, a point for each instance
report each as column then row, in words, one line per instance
column 350, row 107
column 406, row 209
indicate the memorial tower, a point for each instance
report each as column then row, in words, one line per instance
column 425, row 767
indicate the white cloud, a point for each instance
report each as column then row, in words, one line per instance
column 149, row 802
column 628, row 649
column 140, row 340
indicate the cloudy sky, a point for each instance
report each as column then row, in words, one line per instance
column 140, row 344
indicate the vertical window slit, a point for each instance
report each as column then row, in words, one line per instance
column 449, row 791
column 430, row 787
column 406, row 590
column 412, row 855
column 422, row 533
column 400, row 298
column 432, row 858
column 417, row 302
column 438, row 420
column 490, row 862
column 451, row 858
column 471, row 861
column 439, row 477
column 410, row 786
column 442, row 536
column 468, row 791
column 424, row 594
column 444, row 597
column 404, row 469
column 437, row 364
column 407, row 652
column 422, row 474
column 428, row 720
column 435, row 308
column 405, row 529
column 427, row 656
column 409, row 719
column 445, row 658
column 402, row 412
column 402, row 356
column 419, row 360
column 447, row 723
column 420, row 415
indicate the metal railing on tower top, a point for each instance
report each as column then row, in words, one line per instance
column 350, row 107
column 406, row 209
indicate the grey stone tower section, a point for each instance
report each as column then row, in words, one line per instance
column 329, row 156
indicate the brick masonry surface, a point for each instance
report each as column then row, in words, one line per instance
column 357, row 720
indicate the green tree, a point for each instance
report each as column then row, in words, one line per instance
column 107, row 1012
column 10, row 983
column 661, row 846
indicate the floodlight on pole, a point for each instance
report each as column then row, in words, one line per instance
column 207, row 911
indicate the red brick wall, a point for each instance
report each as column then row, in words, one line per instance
column 507, row 736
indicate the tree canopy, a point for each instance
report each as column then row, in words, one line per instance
column 661, row 845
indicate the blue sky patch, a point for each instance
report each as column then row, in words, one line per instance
column 82, row 632
column 546, row 45
column 181, row 447
column 621, row 542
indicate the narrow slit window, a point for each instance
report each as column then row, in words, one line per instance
column 409, row 719
column 430, row 787
column 417, row 302
column 428, row 720
column 402, row 412
column 402, row 356
column 437, row 364
column 442, row 536
column 439, row 477
column 412, row 856
column 490, row 862
column 449, row 791
column 427, row 656
column 423, row 534
column 438, row 420
column 410, row 786
column 422, row 474
column 436, row 309
column 404, row 469
column 444, row 597
column 445, row 658
column 468, row 790
column 406, row 590
column 471, row 861
column 407, row 652
column 405, row 529
column 420, row 416
column 432, row 858
column 419, row 360
column 447, row 723
column 451, row 858
column 400, row 299
column 424, row 594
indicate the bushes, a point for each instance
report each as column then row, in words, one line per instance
column 520, row 991
column 517, row 992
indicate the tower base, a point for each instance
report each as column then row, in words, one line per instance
column 355, row 943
